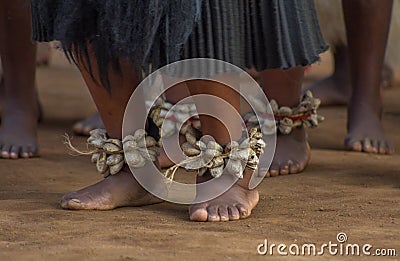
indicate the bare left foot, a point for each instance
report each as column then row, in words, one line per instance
column 18, row 131
column 292, row 154
column 236, row 203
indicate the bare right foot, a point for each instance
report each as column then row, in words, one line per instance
column 120, row 190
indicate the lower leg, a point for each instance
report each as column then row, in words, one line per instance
column 120, row 189
column 335, row 89
column 367, row 23
column 20, row 108
column 239, row 200
column 292, row 151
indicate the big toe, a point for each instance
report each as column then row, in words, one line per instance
column 354, row 145
column 198, row 213
column 71, row 201
column 5, row 151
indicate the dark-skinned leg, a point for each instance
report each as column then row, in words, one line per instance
column 173, row 95
column 292, row 151
column 19, row 119
column 121, row 189
column 367, row 24
column 335, row 89
column 239, row 200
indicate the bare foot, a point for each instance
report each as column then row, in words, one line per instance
column 333, row 90
column 83, row 127
column 120, row 190
column 292, row 154
column 336, row 89
column 18, row 131
column 365, row 132
column 236, row 203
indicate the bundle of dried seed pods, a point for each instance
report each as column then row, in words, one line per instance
column 203, row 156
column 110, row 155
column 284, row 118
column 169, row 117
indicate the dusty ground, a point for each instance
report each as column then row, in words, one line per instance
column 340, row 191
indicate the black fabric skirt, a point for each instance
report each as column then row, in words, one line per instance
column 262, row 34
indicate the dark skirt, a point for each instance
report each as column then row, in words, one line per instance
column 263, row 34
column 247, row 33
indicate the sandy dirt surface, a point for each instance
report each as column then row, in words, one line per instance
column 354, row 193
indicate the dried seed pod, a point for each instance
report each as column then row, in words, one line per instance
column 235, row 167
column 127, row 138
column 274, row 106
column 163, row 113
column 285, row 129
column 253, row 161
column 111, row 148
column 216, row 162
column 182, row 116
column 139, row 134
column 168, row 128
column 268, row 127
column 285, row 111
column 114, row 159
column 196, row 124
column 150, row 141
column 116, row 142
column 189, row 150
column 98, row 132
column 217, row 171
column 101, row 163
column 148, row 153
column 190, row 138
column 240, row 155
column 231, row 145
column 134, row 158
column 130, row 145
column 214, row 145
column 308, row 94
column 245, row 144
column 184, row 129
column 200, row 145
column 98, row 143
column 95, row 157
column 194, row 165
column 114, row 169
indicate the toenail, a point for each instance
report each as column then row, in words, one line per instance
column 75, row 200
